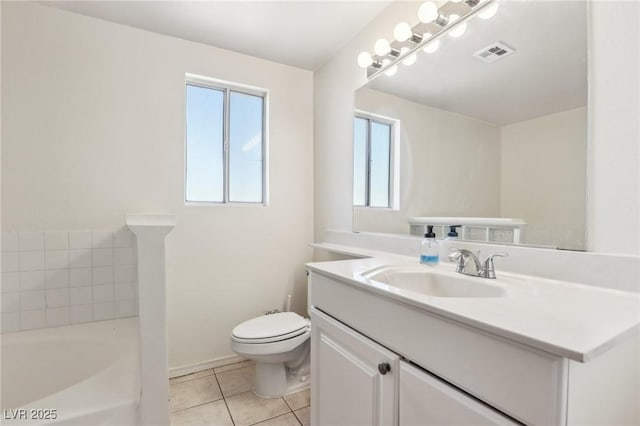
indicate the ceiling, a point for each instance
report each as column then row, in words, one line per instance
column 547, row 73
column 299, row 33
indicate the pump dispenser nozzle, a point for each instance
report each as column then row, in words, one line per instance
column 430, row 233
column 453, row 234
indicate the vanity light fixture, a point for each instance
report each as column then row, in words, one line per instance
column 402, row 32
column 429, row 12
column 407, row 39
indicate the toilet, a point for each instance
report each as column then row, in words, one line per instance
column 279, row 344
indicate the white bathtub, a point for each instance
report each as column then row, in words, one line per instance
column 86, row 374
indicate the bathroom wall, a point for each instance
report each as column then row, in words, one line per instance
column 439, row 150
column 548, row 187
column 56, row 278
column 613, row 157
column 613, row 195
column 93, row 128
column 334, row 85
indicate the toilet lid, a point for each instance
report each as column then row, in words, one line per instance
column 283, row 324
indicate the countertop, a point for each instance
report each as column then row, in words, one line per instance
column 570, row 320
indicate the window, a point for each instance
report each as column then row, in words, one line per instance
column 225, row 143
column 373, row 161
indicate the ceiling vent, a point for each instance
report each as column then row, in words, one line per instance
column 493, row 52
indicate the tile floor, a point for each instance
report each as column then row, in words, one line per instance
column 222, row 396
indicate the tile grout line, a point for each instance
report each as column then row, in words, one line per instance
column 197, row 405
column 297, row 418
column 224, row 398
column 275, row 417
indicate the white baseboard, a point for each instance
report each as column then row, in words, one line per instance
column 213, row 363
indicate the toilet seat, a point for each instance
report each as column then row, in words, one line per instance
column 270, row 328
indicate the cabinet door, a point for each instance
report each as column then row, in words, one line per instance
column 426, row 400
column 354, row 379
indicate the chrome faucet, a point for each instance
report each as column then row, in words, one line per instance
column 468, row 263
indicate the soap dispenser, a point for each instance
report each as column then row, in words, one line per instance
column 429, row 251
column 453, row 234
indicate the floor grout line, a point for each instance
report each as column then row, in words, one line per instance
column 224, row 399
column 271, row 418
column 297, row 418
column 197, row 405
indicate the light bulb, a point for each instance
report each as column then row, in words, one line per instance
column 410, row 60
column 458, row 30
column 392, row 71
column 382, row 47
column 402, row 32
column 489, row 12
column 428, row 12
column 431, row 47
column 364, row 59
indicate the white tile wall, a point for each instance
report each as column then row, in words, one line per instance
column 56, row 278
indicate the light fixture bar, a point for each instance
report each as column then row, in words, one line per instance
column 415, row 42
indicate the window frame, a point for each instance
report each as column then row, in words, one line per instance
column 394, row 157
column 227, row 88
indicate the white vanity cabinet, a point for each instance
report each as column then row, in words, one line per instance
column 444, row 372
column 357, row 380
column 426, row 400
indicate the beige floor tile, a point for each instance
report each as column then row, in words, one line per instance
column 299, row 399
column 304, row 415
column 211, row 414
column 247, row 409
column 194, row 392
column 233, row 366
column 236, row 381
column 198, row 375
column 288, row 419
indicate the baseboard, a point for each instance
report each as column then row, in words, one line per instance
column 213, row 363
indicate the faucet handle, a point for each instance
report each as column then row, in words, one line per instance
column 488, row 269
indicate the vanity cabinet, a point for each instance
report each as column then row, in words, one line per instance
column 426, row 400
column 359, row 382
column 442, row 371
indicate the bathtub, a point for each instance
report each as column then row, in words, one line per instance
column 86, row 374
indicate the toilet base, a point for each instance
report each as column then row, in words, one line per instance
column 275, row 380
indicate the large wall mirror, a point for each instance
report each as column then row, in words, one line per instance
column 466, row 138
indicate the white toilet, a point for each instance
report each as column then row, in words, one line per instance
column 279, row 344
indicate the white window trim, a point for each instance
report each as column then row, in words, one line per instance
column 211, row 83
column 394, row 161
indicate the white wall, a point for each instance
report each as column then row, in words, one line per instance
column 613, row 160
column 334, row 85
column 449, row 164
column 93, row 125
column 613, row 187
column 543, row 177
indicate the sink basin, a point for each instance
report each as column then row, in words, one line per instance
column 434, row 283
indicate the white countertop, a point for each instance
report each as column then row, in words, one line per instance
column 565, row 319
